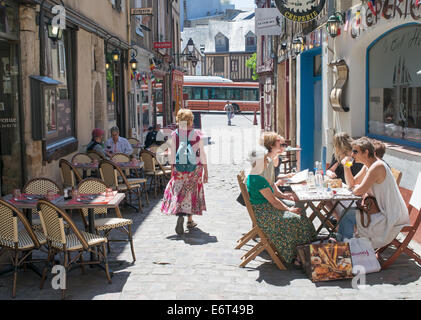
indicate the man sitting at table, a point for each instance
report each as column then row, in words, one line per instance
column 117, row 144
column 96, row 143
column 154, row 136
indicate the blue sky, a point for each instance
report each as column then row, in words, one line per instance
column 243, row 4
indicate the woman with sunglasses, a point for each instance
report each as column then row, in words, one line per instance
column 377, row 179
column 275, row 145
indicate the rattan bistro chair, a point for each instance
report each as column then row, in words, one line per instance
column 69, row 175
column 82, row 158
column 110, row 174
column 40, row 186
column 52, row 219
column 95, row 155
column 134, row 142
column 16, row 241
column 121, row 157
column 106, row 224
column 160, row 176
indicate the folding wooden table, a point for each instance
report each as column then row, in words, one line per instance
column 318, row 200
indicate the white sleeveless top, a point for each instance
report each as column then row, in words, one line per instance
column 393, row 215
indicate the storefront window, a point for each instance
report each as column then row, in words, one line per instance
column 8, row 19
column 60, row 102
column 10, row 138
column 395, row 86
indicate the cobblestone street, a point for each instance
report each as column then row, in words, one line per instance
column 203, row 263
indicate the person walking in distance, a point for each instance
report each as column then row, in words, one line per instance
column 229, row 110
column 184, row 194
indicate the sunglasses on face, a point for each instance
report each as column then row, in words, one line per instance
column 354, row 151
column 284, row 145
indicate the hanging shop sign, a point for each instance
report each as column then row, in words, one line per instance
column 269, row 22
column 360, row 18
column 162, row 45
column 300, row 10
column 142, row 12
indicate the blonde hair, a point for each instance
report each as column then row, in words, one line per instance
column 185, row 115
column 269, row 139
column 342, row 143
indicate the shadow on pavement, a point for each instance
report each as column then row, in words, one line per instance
column 404, row 271
column 195, row 237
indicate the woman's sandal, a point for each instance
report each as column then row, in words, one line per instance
column 296, row 264
column 191, row 224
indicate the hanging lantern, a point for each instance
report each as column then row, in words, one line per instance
column 297, row 43
column 334, row 23
column 115, row 55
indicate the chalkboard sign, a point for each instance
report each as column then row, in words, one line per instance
column 197, row 122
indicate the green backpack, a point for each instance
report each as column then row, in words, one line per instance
column 185, row 158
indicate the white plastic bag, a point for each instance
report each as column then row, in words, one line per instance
column 363, row 255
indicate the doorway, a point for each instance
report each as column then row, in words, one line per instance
column 311, row 108
column 11, row 169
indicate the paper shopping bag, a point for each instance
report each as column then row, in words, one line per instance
column 363, row 255
column 326, row 261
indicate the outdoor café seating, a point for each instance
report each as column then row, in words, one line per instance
column 95, row 155
column 82, row 158
column 40, row 186
column 121, row 157
column 69, row 175
column 76, row 242
column 111, row 173
column 20, row 242
column 158, row 177
column 106, row 224
column 401, row 245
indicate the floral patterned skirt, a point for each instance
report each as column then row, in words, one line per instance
column 185, row 193
column 286, row 230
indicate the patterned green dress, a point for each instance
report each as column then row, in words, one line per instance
column 285, row 229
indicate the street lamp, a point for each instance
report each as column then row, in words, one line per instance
column 115, row 55
column 54, row 32
column 334, row 22
column 190, row 45
column 133, row 61
column 297, row 43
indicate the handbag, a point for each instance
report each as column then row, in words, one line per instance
column 326, row 261
column 362, row 254
column 369, row 206
column 240, row 200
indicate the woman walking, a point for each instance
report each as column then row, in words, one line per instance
column 184, row 194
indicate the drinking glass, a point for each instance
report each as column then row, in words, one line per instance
column 311, row 183
column 109, row 193
column 75, row 194
column 17, row 195
column 349, row 164
column 50, row 195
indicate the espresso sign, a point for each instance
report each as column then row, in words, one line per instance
column 300, row 10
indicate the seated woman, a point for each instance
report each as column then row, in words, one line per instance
column 285, row 226
column 342, row 144
column 275, row 146
column 377, row 178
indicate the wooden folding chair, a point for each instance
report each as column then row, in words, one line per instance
column 264, row 244
column 397, row 174
column 289, row 159
column 414, row 209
